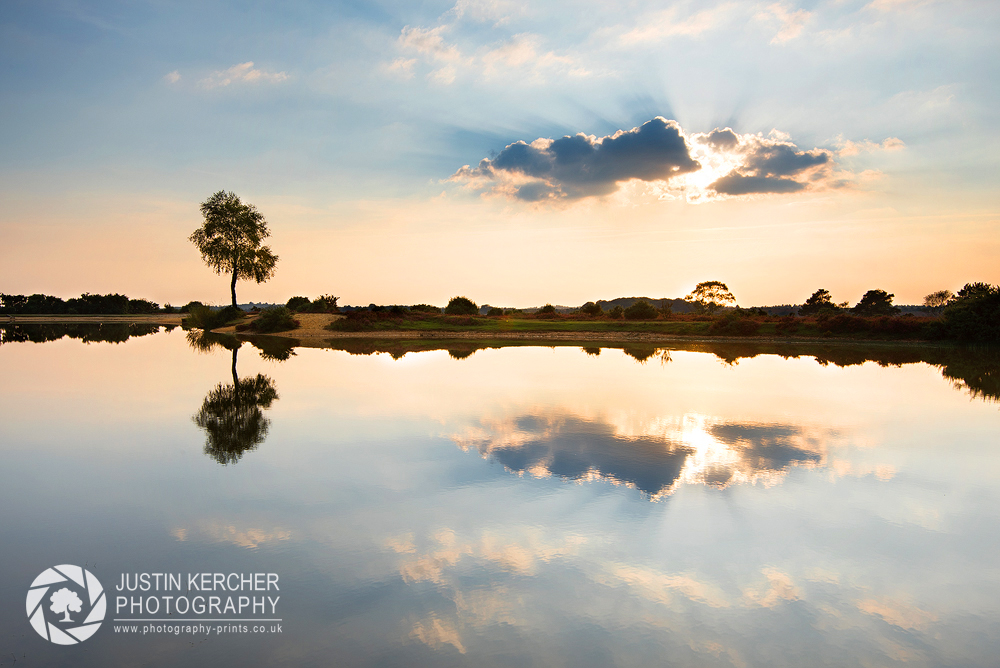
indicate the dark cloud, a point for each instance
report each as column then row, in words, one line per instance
column 724, row 140
column 772, row 166
column 584, row 166
column 737, row 184
column 578, row 166
column 778, row 160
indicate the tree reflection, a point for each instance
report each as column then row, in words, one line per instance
column 233, row 415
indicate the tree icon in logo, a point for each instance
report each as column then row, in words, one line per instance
column 63, row 601
column 73, row 589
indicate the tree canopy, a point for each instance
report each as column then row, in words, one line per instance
column 973, row 315
column 936, row 300
column 461, row 306
column 876, row 302
column 230, row 239
column 819, row 301
column 710, row 296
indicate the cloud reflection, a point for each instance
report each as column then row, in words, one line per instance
column 654, row 459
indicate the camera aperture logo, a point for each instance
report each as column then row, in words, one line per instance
column 66, row 604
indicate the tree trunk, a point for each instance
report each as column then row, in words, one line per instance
column 236, row 379
column 233, row 287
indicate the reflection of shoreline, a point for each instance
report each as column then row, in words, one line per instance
column 974, row 369
column 88, row 331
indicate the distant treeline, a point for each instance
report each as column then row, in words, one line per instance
column 85, row 304
column 971, row 316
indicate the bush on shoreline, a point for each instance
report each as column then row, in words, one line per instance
column 204, row 318
column 277, row 319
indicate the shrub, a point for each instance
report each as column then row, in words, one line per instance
column 592, row 309
column 361, row 320
column 617, row 312
column 463, row 321
column 424, row 308
column 277, row 319
column 142, row 306
column 187, row 307
column 734, row 325
column 641, row 310
column 495, row 311
column 787, row 326
column 461, row 306
column 204, row 318
column 297, row 303
column 325, row 304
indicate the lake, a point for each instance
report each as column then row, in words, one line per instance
column 457, row 504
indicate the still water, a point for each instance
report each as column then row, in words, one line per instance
column 515, row 506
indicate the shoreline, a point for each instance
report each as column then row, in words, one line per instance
column 313, row 331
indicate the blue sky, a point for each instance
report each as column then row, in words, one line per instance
column 345, row 123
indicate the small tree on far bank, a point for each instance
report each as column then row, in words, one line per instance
column 710, row 296
column 819, row 301
column 230, row 240
column 876, row 303
column 935, row 301
column 461, row 306
column 641, row 310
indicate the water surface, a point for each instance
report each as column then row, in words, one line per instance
column 518, row 506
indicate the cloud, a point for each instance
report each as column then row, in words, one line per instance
column 848, row 147
column 766, row 165
column 521, row 58
column 585, row 165
column 896, row 5
column 173, row 77
column 699, row 167
column 790, row 23
column 523, row 53
column 667, row 23
column 429, row 42
column 242, row 73
column 497, row 12
column 402, row 67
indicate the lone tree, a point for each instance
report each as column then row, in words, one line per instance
column 230, row 239
column 876, row 302
column 710, row 296
column 63, row 601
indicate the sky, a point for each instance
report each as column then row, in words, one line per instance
column 515, row 153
